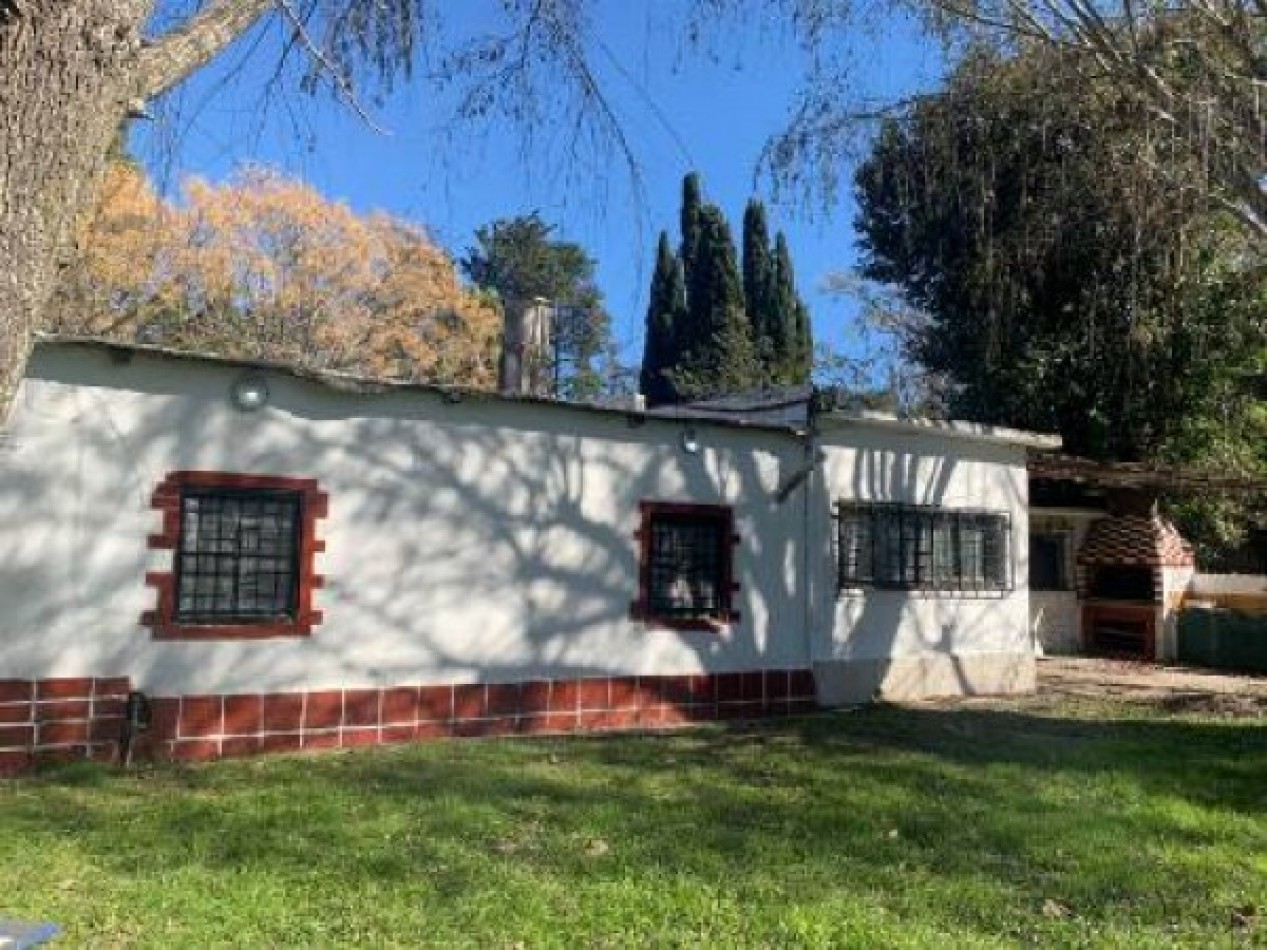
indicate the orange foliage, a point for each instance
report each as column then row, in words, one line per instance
column 264, row 266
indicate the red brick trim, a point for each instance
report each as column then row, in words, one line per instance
column 189, row 728
column 60, row 720
column 166, row 499
column 1142, row 618
column 640, row 609
column 69, row 719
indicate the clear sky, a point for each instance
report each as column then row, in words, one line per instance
column 682, row 110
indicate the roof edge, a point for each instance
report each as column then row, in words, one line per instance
column 948, row 428
column 353, row 384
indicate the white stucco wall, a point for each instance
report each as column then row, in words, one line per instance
column 479, row 541
column 924, row 642
column 1213, row 584
column 1055, row 618
column 1177, row 584
column 1056, row 615
column 482, row 540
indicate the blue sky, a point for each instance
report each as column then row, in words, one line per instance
column 682, row 110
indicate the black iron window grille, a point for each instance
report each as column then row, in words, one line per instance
column 687, row 566
column 913, row 547
column 238, row 555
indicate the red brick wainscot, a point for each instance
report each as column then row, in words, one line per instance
column 198, row 728
column 59, row 720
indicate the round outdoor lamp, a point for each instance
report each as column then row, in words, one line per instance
column 250, row 393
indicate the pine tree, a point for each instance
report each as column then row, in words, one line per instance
column 666, row 315
column 758, row 266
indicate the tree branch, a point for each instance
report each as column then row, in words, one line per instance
column 178, row 53
column 323, row 63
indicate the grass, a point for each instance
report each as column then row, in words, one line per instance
column 982, row 825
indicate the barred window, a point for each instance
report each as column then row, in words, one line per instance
column 686, row 564
column 908, row 547
column 237, row 556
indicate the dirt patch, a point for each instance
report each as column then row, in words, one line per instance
column 1168, row 688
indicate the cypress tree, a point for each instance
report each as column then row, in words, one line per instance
column 790, row 331
column 666, row 314
column 758, row 281
column 722, row 357
column 804, row 365
column 692, row 213
column 710, row 327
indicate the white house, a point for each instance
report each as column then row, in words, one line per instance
column 279, row 560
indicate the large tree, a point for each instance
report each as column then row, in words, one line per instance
column 264, row 266
column 1064, row 283
column 520, row 260
column 666, row 317
column 719, row 353
column 713, row 329
column 1195, row 69
column 787, row 322
column 759, row 283
column 72, row 71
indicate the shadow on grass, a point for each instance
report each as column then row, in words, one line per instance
column 967, row 819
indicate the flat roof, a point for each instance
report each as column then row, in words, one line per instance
column 947, row 428
column 354, row 384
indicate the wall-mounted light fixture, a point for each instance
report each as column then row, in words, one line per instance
column 250, row 393
column 690, row 441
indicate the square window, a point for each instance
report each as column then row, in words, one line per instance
column 243, row 550
column 686, row 565
column 220, row 578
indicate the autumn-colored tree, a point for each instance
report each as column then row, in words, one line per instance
column 265, row 266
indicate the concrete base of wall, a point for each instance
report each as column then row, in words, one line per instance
column 847, row 682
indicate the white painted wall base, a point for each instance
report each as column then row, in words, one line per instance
column 1056, row 622
column 845, row 682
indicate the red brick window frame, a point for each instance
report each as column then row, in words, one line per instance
column 313, row 504
column 686, row 566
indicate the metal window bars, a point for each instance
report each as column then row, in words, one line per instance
column 919, row 547
column 686, row 567
column 238, row 555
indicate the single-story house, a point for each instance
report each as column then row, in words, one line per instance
column 281, row 560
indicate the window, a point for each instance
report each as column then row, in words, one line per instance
column 1049, row 560
column 908, row 547
column 243, row 551
column 238, row 555
column 686, row 565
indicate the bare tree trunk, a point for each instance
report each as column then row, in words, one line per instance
column 66, row 72
column 70, row 71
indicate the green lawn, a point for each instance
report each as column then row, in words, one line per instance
column 980, row 825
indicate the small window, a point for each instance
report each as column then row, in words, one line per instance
column 907, row 547
column 1049, row 560
column 243, row 553
column 686, row 565
column 238, row 557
